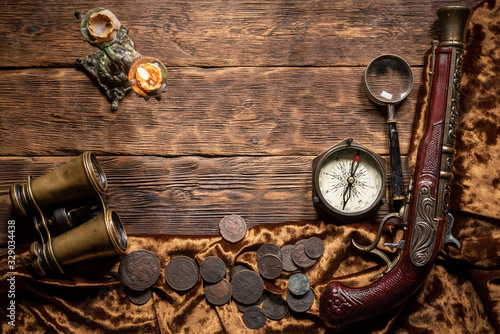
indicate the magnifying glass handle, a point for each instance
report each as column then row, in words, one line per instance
column 396, row 169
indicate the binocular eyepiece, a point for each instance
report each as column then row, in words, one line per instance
column 68, row 199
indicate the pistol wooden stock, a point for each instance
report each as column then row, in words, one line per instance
column 427, row 201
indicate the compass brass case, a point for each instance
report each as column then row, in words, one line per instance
column 322, row 203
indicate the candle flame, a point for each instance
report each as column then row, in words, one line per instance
column 143, row 73
column 149, row 77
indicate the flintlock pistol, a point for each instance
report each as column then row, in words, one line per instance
column 424, row 216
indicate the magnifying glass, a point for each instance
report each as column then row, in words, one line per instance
column 388, row 80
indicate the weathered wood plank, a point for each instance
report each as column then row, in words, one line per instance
column 220, row 33
column 220, row 111
column 187, row 195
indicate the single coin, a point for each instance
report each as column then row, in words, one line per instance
column 139, row 297
column 219, row 293
column 237, row 269
column 139, row 270
column 247, row 286
column 181, row 273
column 299, row 284
column 254, row 317
column 270, row 266
column 268, row 249
column 300, row 257
column 275, row 307
column 300, row 303
column 288, row 264
column 232, row 228
column 212, row 269
column 314, row 247
column 242, row 307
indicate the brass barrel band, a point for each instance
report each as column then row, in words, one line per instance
column 116, row 232
column 94, row 172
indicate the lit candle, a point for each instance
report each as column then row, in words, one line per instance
column 149, row 77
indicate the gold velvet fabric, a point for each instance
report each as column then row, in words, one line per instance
column 460, row 295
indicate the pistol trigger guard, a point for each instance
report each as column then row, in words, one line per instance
column 369, row 248
column 449, row 238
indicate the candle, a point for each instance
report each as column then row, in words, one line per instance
column 103, row 26
column 149, row 77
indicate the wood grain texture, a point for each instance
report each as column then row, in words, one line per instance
column 209, row 112
column 256, row 89
column 188, row 195
column 228, row 33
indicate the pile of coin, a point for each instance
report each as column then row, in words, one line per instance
column 139, row 270
column 218, row 290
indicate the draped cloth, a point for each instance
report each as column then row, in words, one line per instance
column 461, row 293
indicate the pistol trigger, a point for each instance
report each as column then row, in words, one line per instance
column 449, row 238
column 399, row 245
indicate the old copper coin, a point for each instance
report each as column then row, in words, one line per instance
column 181, row 273
column 288, row 264
column 300, row 303
column 314, row 247
column 299, row 284
column 139, row 297
column 247, row 286
column 243, row 307
column 270, row 266
column 275, row 307
column 237, row 269
column 254, row 317
column 268, row 249
column 233, row 228
column 139, row 270
column 219, row 293
column 212, row 269
column 299, row 255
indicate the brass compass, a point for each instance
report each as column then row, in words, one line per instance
column 349, row 181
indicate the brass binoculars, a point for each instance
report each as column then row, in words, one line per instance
column 69, row 215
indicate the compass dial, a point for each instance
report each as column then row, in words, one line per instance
column 350, row 181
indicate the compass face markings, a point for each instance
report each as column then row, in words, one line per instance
column 333, row 181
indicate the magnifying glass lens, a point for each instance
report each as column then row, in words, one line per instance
column 388, row 79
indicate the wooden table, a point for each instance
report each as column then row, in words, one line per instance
column 256, row 90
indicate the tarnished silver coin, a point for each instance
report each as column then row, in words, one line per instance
column 139, row 270
column 247, row 286
column 181, row 273
column 242, row 307
column 314, row 247
column 219, row 293
column 299, row 255
column 139, row 297
column 299, row 284
column 237, row 269
column 232, row 228
column 288, row 264
column 275, row 307
column 212, row 269
column 268, row 249
column 300, row 303
column 270, row 266
column 254, row 317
